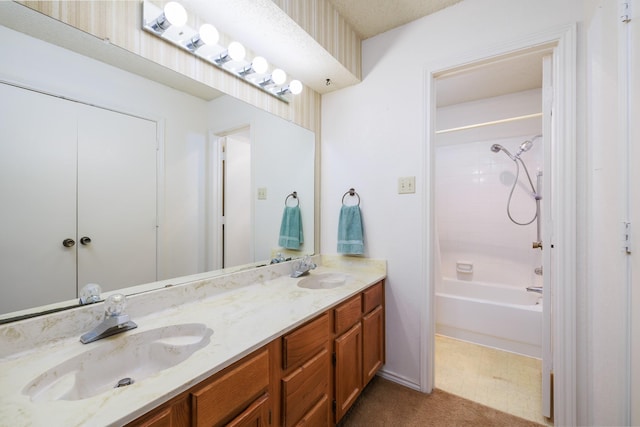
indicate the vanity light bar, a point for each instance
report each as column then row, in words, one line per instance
column 169, row 24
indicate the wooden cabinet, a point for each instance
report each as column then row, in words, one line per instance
column 306, row 374
column 238, row 396
column 240, row 393
column 359, row 352
column 372, row 344
column 373, row 326
column 348, row 369
column 175, row 413
column 290, row 381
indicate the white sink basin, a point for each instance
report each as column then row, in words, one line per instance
column 103, row 365
column 324, row 281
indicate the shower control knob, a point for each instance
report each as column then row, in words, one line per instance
column 67, row 243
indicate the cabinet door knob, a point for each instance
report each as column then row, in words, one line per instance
column 67, row 243
column 85, row 240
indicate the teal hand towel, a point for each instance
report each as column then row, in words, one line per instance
column 291, row 228
column 350, row 240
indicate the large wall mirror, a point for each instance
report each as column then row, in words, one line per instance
column 70, row 128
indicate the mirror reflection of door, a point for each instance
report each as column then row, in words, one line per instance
column 237, row 247
column 61, row 232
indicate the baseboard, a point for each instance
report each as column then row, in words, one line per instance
column 399, row 379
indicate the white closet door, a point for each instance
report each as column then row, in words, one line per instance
column 37, row 199
column 116, row 199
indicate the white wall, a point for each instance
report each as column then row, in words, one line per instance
column 373, row 133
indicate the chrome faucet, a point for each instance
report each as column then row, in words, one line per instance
column 536, row 289
column 302, row 266
column 114, row 322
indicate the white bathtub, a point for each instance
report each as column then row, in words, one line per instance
column 497, row 316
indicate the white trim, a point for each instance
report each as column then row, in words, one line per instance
column 632, row 35
column 399, row 379
column 214, row 216
column 562, row 41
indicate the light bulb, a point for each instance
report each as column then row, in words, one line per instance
column 295, row 87
column 175, row 13
column 259, row 65
column 278, row 76
column 208, row 34
column 236, row 51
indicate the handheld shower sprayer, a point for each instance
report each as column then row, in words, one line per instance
column 496, row 148
column 525, row 146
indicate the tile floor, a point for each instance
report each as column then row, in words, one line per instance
column 505, row 381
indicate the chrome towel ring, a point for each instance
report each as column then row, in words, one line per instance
column 351, row 193
column 294, row 195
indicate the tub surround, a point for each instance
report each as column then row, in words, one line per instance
column 244, row 309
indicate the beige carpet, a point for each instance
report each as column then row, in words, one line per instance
column 385, row 403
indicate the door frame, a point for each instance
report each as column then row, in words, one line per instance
column 562, row 43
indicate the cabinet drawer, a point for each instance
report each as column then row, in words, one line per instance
column 304, row 387
column 347, row 314
column 371, row 298
column 226, row 397
column 256, row 415
column 318, row 416
column 303, row 343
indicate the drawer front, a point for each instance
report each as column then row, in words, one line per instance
column 320, row 415
column 306, row 341
column 226, row 397
column 347, row 314
column 372, row 297
column 304, row 387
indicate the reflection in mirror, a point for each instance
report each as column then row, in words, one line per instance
column 130, row 171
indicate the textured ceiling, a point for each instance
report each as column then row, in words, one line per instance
column 371, row 17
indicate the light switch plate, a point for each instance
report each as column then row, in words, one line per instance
column 407, row 185
column 262, row 193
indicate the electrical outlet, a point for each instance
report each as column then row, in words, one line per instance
column 262, row 193
column 407, row 185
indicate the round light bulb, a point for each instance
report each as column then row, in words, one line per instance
column 259, row 65
column 175, row 13
column 278, row 76
column 208, row 34
column 295, row 87
column 236, row 51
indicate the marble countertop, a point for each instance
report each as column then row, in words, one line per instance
column 245, row 310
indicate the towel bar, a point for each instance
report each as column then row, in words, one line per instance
column 351, row 193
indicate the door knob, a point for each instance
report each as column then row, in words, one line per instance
column 67, row 243
column 85, row 240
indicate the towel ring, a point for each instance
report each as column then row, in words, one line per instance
column 351, row 193
column 295, row 196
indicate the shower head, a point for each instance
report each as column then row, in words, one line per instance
column 497, row 147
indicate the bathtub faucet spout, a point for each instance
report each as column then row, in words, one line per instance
column 536, row 289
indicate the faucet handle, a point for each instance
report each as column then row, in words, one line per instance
column 115, row 305
column 90, row 293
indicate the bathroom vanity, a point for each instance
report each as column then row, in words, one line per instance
column 250, row 348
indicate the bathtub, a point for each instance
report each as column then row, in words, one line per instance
column 492, row 315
